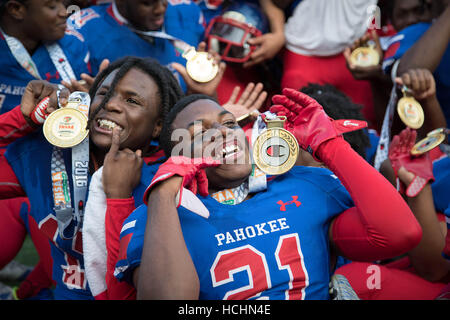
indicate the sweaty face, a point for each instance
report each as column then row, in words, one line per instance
column 213, row 132
column 408, row 12
column 144, row 14
column 134, row 107
column 45, row 19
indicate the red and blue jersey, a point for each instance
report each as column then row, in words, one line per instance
column 405, row 39
column 274, row 245
column 30, row 158
column 14, row 78
column 108, row 38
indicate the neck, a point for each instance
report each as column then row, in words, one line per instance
column 13, row 29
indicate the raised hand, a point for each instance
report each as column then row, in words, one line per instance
column 413, row 171
column 40, row 99
column 251, row 99
column 121, row 169
column 308, row 122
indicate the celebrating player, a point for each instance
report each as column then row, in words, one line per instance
column 280, row 240
column 133, row 95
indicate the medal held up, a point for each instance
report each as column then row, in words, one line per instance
column 365, row 56
column 67, row 127
column 275, row 150
column 409, row 110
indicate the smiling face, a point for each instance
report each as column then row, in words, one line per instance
column 134, row 107
column 45, row 19
column 214, row 132
column 143, row 14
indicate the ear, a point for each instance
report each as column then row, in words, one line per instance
column 157, row 128
column 16, row 10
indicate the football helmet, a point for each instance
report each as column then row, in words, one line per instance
column 228, row 33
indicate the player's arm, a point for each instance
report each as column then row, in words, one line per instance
column 38, row 101
column 360, row 233
column 166, row 270
column 269, row 44
column 428, row 51
column 121, row 174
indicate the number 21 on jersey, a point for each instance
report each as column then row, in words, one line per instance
column 288, row 255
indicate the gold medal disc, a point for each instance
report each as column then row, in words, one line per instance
column 410, row 112
column 275, row 151
column 365, row 57
column 428, row 143
column 200, row 68
column 65, row 128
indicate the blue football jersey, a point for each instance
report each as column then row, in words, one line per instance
column 108, row 38
column 272, row 246
column 30, row 158
column 14, row 78
column 441, row 186
column 405, row 39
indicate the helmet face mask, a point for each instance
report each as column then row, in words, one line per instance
column 228, row 34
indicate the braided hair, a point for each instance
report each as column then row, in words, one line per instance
column 169, row 90
column 339, row 106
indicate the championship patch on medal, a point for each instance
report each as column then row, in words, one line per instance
column 67, row 127
column 275, row 150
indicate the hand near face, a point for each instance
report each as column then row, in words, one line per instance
column 40, row 99
column 121, row 170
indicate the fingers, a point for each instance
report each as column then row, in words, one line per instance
column 103, row 65
column 248, row 89
column 420, row 81
column 234, row 95
column 115, row 142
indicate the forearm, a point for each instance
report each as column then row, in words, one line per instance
column 166, row 270
column 13, row 126
column 434, row 117
column 427, row 258
column 428, row 51
column 381, row 225
column 275, row 16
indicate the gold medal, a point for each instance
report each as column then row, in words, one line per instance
column 433, row 139
column 275, row 150
column 65, row 127
column 199, row 66
column 365, row 57
column 428, row 143
column 410, row 111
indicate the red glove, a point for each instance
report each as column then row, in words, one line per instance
column 194, row 177
column 308, row 122
column 39, row 115
column 400, row 156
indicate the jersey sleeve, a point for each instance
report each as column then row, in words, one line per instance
column 131, row 244
column 13, row 126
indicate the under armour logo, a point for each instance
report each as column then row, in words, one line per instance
column 349, row 123
column 294, row 200
column 50, row 76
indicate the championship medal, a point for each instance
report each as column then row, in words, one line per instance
column 410, row 111
column 199, row 66
column 365, row 57
column 67, row 127
column 275, row 150
column 432, row 140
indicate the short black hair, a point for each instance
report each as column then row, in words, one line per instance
column 337, row 105
column 165, row 140
column 169, row 89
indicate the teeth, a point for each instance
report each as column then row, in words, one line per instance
column 230, row 149
column 108, row 124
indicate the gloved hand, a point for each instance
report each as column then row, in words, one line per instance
column 420, row 166
column 191, row 170
column 308, row 122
